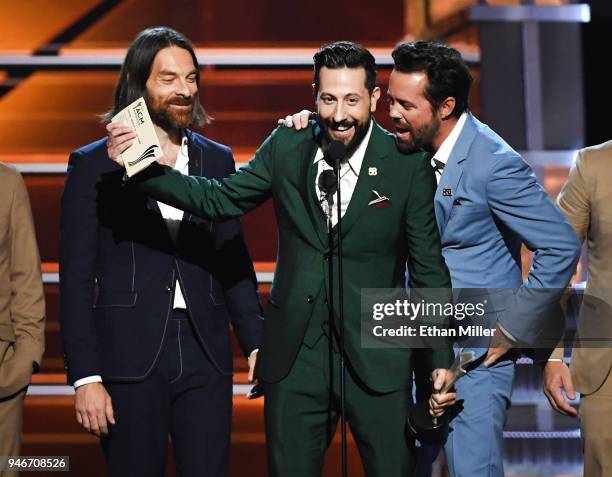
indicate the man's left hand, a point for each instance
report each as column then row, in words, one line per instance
column 252, row 361
column 499, row 346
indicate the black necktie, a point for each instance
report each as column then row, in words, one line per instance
column 438, row 166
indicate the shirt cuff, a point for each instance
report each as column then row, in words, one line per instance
column 253, row 352
column 506, row 333
column 88, row 380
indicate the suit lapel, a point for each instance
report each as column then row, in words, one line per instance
column 447, row 188
column 195, row 167
column 196, row 162
column 308, row 191
column 371, row 171
column 153, row 205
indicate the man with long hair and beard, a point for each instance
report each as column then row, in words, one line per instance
column 148, row 292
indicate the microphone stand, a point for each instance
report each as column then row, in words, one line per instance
column 341, row 331
column 336, row 152
column 330, row 311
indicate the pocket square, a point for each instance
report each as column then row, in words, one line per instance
column 379, row 201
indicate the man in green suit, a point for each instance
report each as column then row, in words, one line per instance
column 295, row 364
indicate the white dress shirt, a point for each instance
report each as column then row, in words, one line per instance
column 173, row 218
column 443, row 154
column 349, row 173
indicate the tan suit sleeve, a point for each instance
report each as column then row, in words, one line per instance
column 575, row 204
column 574, row 200
column 28, row 301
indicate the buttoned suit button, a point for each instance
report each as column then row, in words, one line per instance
column 310, row 299
column 169, row 289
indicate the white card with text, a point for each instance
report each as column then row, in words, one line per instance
column 145, row 149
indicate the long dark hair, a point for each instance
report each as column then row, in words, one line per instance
column 137, row 65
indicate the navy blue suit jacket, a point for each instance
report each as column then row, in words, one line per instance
column 118, row 267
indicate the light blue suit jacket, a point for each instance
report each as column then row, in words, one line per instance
column 487, row 203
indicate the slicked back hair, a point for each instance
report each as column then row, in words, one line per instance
column 345, row 54
column 447, row 74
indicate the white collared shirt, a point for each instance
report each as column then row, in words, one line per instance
column 349, row 173
column 446, row 148
column 174, row 217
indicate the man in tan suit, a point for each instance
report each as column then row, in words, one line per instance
column 586, row 201
column 22, row 306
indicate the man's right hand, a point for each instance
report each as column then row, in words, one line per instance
column 297, row 120
column 120, row 137
column 557, row 378
column 439, row 401
column 94, row 409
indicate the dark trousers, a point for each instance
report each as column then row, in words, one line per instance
column 302, row 410
column 184, row 397
column 426, row 453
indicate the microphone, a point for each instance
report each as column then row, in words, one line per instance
column 328, row 180
column 334, row 153
column 328, row 184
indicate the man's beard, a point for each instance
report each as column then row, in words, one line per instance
column 421, row 137
column 361, row 130
column 169, row 118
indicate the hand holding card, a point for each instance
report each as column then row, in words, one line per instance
column 145, row 148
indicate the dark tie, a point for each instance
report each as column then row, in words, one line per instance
column 438, row 166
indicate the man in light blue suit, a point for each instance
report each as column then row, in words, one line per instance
column 487, row 203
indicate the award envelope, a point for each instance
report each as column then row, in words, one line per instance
column 145, row 149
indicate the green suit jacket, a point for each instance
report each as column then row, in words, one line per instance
column 377, row 242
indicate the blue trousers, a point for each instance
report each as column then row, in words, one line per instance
column 475, row 441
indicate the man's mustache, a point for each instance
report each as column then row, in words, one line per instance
column 181, row 101
column 342, row 124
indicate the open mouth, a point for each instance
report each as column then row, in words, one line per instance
column 342, row 131
column 403, row 133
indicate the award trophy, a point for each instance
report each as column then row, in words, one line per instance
column 427, row 428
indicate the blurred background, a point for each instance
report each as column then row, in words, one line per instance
column 540, row 82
